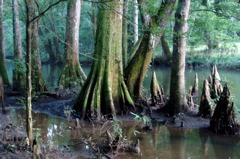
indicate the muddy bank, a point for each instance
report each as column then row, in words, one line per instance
column 13, row 142
column 62, row 108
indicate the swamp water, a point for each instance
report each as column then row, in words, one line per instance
column 164, row 142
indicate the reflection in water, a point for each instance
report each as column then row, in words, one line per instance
column 203, row 134
column 163, row 142
column 226, row 144
column 51, row 74
column 177, row 141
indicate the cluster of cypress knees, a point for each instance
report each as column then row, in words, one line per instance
column 215, row 102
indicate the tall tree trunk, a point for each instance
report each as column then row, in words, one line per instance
column 3, row 70
column 125, row 33
column 94, row 20
column 37, row 76
column 72, row 72
column 166, row 50
column 138, row 65
column 205, row 3
column 29, row 28
column 177, row 101
column 104, row 92
column 135, row 19
column 2, row 95
column 48, row 48
column 19, row 81
column 56, row 42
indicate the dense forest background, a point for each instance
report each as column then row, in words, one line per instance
column 214, row 29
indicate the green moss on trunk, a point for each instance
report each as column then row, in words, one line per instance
column 3, row 70
column 72, row 73
column 104, row 92
column 177, row 101
column 138, row 65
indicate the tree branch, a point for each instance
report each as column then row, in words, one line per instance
column 42, row 13
column 215, row 12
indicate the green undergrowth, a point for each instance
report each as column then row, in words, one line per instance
column 226, row 56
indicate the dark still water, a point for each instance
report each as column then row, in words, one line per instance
column 231, row 77
column 164, row 142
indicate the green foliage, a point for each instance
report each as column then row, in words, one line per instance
column 141, row 119
column 18, row 66
column 117, row 130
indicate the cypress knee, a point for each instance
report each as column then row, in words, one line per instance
column 223, row 120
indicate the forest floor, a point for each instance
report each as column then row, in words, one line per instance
column 62, row 107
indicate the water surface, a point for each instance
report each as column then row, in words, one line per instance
column 164, row 142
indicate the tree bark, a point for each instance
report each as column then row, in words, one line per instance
column 37, row 76
column 166, row 49
column 104, row 92
column 138, row 65
column 135, row 19
column 19, row 81
column 72, row 72
column 2, row 95
column 29, row 28
column 48, row 48
column 56, row 42
column 125, row 33
column 177, row 101
column 94, row 20
column 3, row 70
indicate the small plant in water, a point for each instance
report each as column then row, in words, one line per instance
column 117, row 130
column 68, row 111
column 145, row 120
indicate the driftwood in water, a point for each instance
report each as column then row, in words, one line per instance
column 216, row 87
column 156, row 91
column 194, row 92
column 206, row 106
column 2, row 95
column 223, row 119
